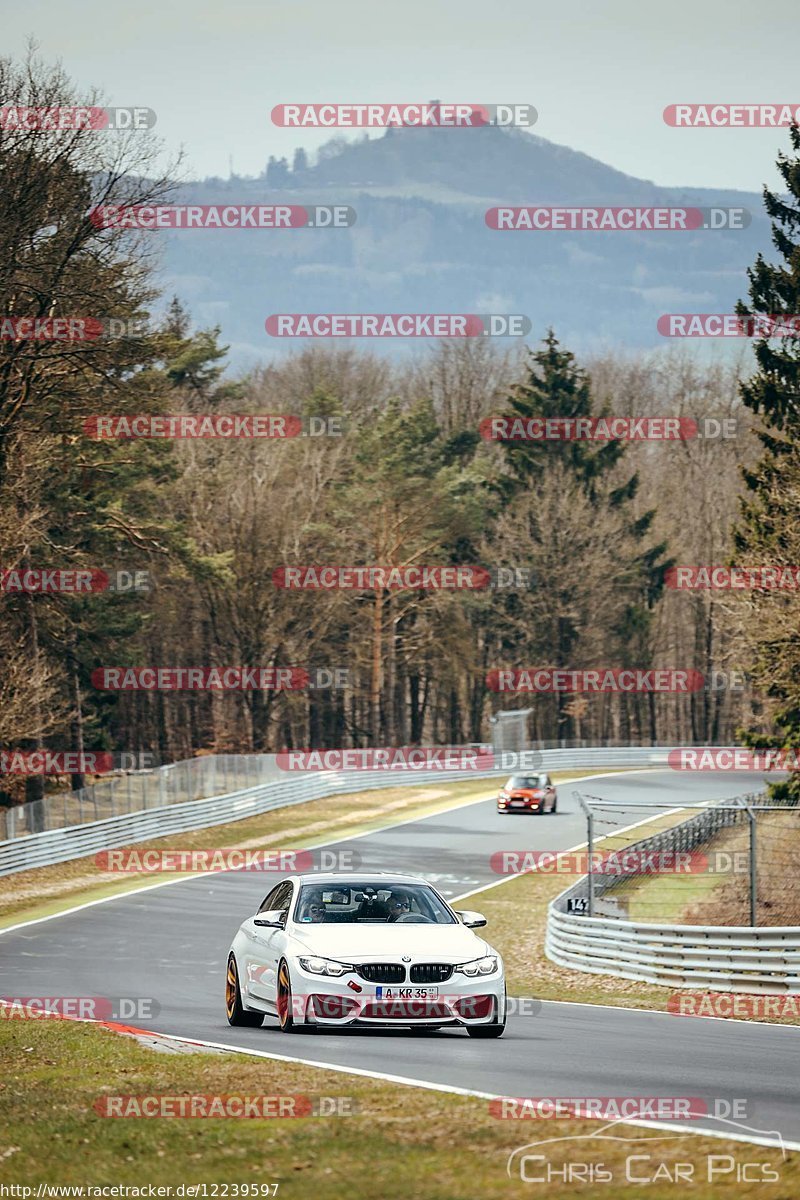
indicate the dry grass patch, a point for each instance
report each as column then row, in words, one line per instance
column 401, row 1142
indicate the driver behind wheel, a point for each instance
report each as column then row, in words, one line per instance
column 399, row 906
column 314, row 910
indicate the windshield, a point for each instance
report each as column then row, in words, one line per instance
column 527, row 781
column 371, row 902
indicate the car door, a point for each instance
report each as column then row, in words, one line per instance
column 269, row 944
column 550, row 795
column 255, row 966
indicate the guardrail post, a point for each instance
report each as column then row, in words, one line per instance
column 589, row 850
column 753, row 865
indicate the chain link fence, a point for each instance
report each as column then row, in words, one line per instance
column 220, row 774
column 137, row 791
column 731, row 863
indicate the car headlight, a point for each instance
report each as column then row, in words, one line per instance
column 324, row 966
column 478, row 966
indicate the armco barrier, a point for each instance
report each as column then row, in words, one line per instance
column 709, row 957
column 718, row 958
column 79, row 841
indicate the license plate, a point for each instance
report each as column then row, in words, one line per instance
column 519, row 803
column 406, row 993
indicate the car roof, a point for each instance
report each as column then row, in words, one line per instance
column 344, row 877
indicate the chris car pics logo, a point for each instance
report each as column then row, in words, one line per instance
column 607, row 1157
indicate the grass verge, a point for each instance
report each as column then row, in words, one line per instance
column 400, row 1141
column 516, row 911
column 721, row 895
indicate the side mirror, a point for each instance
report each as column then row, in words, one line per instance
column 272, row 919
column 472, row 920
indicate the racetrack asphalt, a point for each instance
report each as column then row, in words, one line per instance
column 170, row 943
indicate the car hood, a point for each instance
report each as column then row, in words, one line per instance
column 424, row 943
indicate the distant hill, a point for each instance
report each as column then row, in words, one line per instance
column 420, row 243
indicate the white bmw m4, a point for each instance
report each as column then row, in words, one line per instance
column 328, row 951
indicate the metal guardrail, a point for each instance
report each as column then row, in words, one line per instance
column 731, row 958
column 763, row 959
column 134, row 790
column 89, row 837
column 128, row 791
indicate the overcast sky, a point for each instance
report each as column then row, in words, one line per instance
column 600, row 72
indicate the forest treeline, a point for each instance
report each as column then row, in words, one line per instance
column 391, row 470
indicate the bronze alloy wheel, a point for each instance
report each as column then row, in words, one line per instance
column 235, row 1011
column 284, row 998
column 231, row 987
column 288, row 1020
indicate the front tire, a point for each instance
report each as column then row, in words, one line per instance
column 286, row 1017
column 235, row 1011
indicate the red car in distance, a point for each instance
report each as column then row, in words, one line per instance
column 528, row 793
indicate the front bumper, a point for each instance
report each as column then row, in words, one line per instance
column 323, row 1000
column 519, row 804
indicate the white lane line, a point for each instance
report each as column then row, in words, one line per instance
column 151, row 887
column 570, row 849
column 662, row 1012
column 428, row 1085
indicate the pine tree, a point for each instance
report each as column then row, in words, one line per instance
column 767, row 533
column 557, row 387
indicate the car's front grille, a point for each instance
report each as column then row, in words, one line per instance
column 431, row 972
column 382, row 972
column 405, row 1010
